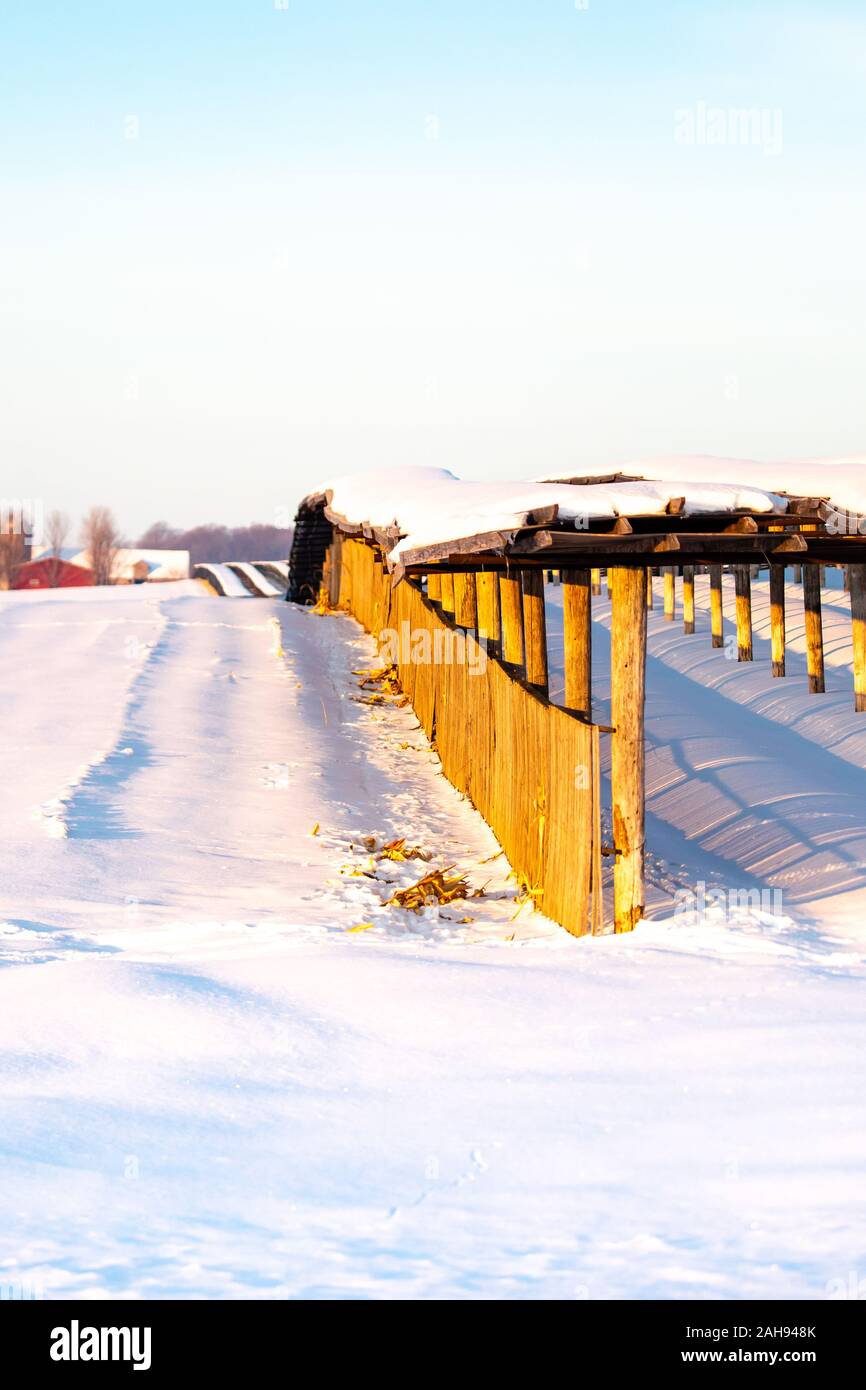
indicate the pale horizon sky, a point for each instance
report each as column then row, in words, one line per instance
column 246, row 247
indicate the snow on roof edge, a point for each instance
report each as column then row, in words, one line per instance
column 429, row 506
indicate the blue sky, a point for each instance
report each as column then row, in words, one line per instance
column 243, row 247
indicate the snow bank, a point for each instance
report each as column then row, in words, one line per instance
column 260, row 582
column 225, row 580
column 427, row 506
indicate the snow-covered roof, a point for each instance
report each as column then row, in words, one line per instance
column 161, row 564
column 842, row 481
column 426, row 506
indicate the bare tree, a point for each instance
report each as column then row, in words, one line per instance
column 56, row 532
column 101, row 539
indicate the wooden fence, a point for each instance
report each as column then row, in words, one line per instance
column 529, row 767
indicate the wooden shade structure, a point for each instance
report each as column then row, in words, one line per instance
column 492, row 584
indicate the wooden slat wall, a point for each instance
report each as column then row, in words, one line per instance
column 525, row 764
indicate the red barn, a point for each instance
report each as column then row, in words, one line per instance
column 51, row 573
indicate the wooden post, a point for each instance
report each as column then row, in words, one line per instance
column 446, row 594
column 814, row 630
column 465, row 610
column 717, row 616
column 511, row 613
column 798, row 574
column 596, row 582
column 857, row 587
column 596, row 875
column 577, row 640
column 487, row 599
column 650, row 600
column 434, row 587
column 335, row 576
column 688, row 598
column 670, row 593
column 628, row 686
column 777, row 617
column 743, row 587
column 535, row 627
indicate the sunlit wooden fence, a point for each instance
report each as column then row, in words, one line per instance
column 529, row 767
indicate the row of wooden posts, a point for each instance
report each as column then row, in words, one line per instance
column 507, row 608
column 811, row 577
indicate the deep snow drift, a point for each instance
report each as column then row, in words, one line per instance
column 229, row 1070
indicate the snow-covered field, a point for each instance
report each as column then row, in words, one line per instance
column 213, row 1086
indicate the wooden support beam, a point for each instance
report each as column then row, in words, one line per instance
column 814, row 629
column 535, row 628
column 487, row 599
column 857, row 587
column 596, row 873
column 670, row 593
column 446, row 594
column 717, row 616
column 465, row 610
column 688, row 598
column 628, row 687
column 511, row 614
column 743, row 588
column 434, row 587
column 596, row 582
column 577, row 640
column 650, row 598
column 777, row 618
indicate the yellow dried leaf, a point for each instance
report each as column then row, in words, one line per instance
column 434, row 887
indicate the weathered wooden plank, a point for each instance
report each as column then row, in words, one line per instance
column 717, row 617
column 465, row 609
column 857, row 589
column 670, row 593
column 596, row 880
column 628, row 686
column 446, row 593
column 535, row 628
column 777, row 618
column 688, row 598
column 487, row 598
column 511, row 617
column 743, row 590
column 814, row 629
column 577, row 640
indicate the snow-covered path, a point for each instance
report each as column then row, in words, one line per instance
column 211, row 1086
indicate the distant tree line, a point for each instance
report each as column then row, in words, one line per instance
column 221, row 543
